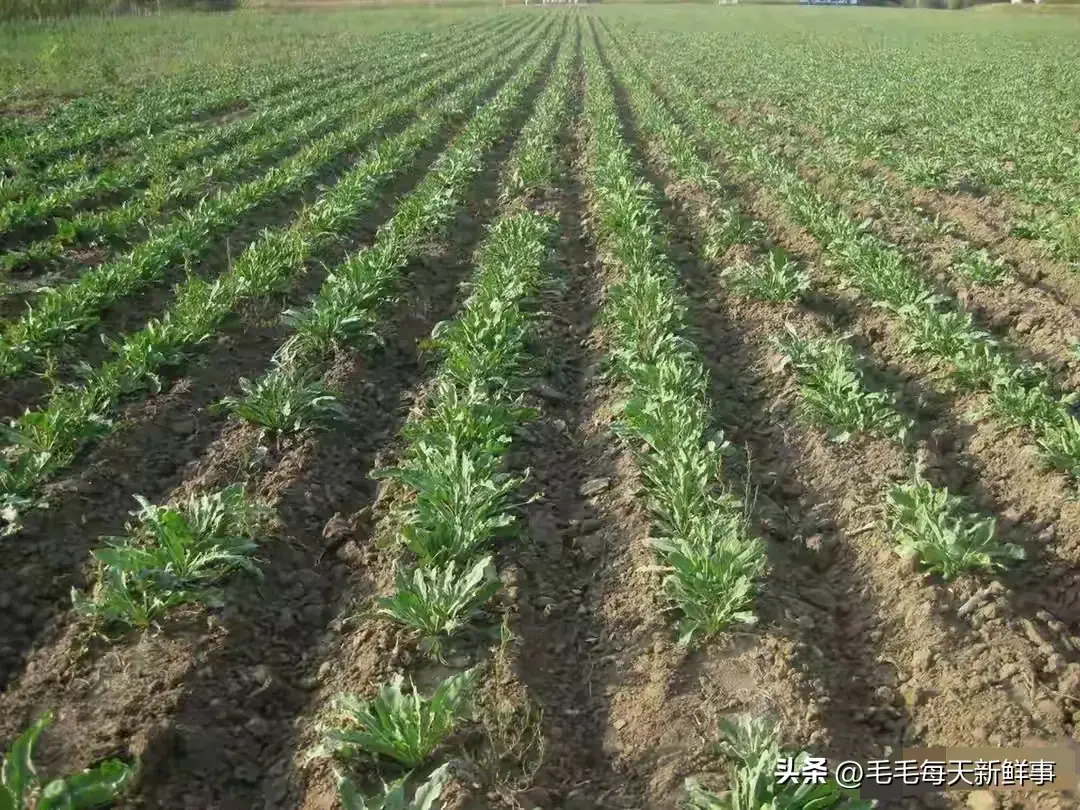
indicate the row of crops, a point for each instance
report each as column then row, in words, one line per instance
column 302, row 320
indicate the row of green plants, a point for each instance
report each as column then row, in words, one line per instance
column 922, row 519
column 153, row 154
column 31, row 200
column 166, row 195
column 137, row 593
column 749, row 743
column 169, row 192
column 90, row 128
column 833, row 386
column 171, row 555
column 935, row 326
column 290, row 397
column 43, row 205
column 946, row 137
column 180, row 554
column 701, row 533
column 43, row 441
column 150, row 113
column 973, row 265
column 457, row 496
column 56, row 316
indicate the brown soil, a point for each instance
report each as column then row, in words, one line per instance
column 209, row 706
column 590, row 703
column 997, row 674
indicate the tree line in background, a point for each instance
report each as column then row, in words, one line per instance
column 57, row 9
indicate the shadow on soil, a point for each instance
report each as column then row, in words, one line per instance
column 834, row 651
column 209, row 755
column 160, row 441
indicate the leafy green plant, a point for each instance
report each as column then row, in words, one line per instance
column 462, row 500
column 1023, row 396
column 403, row 727
column 929, row 522
column 285, row 401
column 1060, row 443
column 752, row 744
column 941, row 334
column 979, row 267
column 173, row 555
column 833, row 389
column 713, row 583
column 777, row 278
column 438, row 601
column 21, row 788
column 725, row 228
column 393, row 796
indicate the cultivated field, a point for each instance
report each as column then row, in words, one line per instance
column 631, row 380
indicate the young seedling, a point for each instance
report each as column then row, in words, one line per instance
column 726, row 228
column 713, row 583
column 753, row 746
column 927, row 521
column 834, row 392
column 35, row 448
column 21, row 787
column 884, row 275
column 285, row 401
column 439, row 601
column 940, row 334
column 1060, row 443
column 393, row 796
column 1023, row 396
column 462, row 500
column 173, row 555
column 406, row 728
column 979, row 267
column 777, row 278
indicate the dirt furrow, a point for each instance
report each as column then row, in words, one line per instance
column 554, row 572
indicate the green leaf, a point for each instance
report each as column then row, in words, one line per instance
column 428, row 793
column 19, row 776
column 95, row 787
